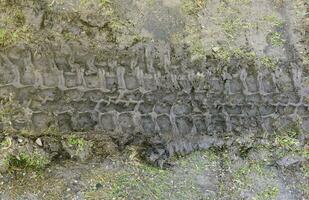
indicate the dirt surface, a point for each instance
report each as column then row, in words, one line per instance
column 92, row 91
column 201, row 175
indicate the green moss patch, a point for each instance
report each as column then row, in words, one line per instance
column 27, row 161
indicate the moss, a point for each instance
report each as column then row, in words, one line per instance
column 276, row 39
column 288, row 141
column 231, row 26
column 76, row 141
column 226, row 54
column 145, row 181
column 270, row 193
column 242, row 177
column 274, row 20
column 27, row 161
column 269, row 62
column 139, row 180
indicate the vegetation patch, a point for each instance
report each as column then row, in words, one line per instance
column 26, row 161
column 274, row 20
column 193, row 7
column 79, row 143
column 269, row 193
column 231, row 26
column 276, row 39
column 269, row 62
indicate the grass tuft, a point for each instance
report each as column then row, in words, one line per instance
column 27, row 161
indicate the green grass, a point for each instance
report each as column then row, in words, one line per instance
column 139, row 180
column 6, row 143
column 105, row 2
column 27, row 161
column 270, row 193
column 79, row 143
column 9, row 37
column 231, row 26
column 3, row 34
column 225, row 53
column 193, row 7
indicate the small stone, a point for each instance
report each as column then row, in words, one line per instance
column 39, row 142
column 20, row 140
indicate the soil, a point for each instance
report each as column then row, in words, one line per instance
column 154, row 99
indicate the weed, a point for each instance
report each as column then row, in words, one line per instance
column 19, row 18
column 3, row 34
column 77, row 142
column 9, row 37
column 193, row 7
column 232, row 26
column 6, row 143
column 225, row 54
column 33, row 161
column 269, row 62
column 276, row 39
column 269, row 193
column 286, row 141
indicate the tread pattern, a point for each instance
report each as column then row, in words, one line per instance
column 151, row 92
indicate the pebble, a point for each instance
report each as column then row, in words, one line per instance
column 39, row 142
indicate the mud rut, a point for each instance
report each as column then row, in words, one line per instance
column 154, row 92
column 148, row 98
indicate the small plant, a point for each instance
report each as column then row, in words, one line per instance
column 269, row 62
column 77, row 142
column 286, row 142
column 6, row 143
column 33, row 161
column 276, row 39
column 269, row 193
column 3, row 33
column 19, row 18
column 192, row 7
column 232, row 26
column 8, row 37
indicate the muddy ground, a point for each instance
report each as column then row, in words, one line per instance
column 53, row 147
column 201, row 175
